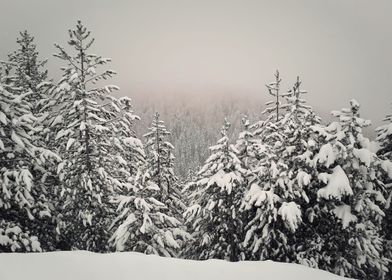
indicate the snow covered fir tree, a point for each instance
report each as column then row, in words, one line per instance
column 81, row 168
column 81, row 120
column 149, row 220
column 215, row 218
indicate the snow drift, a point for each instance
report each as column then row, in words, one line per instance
column 85, row 265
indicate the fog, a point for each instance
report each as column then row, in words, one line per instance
column 340, row 49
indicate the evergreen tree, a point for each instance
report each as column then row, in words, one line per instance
column 127, row 150
column 22, row 198
column 82, row 122
column 160, row 160
column 27, row 71
column 384, row 139
column 27, row 74
column 348, row 216
column 144, row 223
column 215, row 218
column 133, row 147
column 278, row 191
column 246, row 144
column 147, row 220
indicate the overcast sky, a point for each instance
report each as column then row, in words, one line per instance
column 342, row 49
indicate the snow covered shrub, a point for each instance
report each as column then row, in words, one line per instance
column 13, row 239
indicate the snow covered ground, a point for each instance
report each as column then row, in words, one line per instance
column 118, row 266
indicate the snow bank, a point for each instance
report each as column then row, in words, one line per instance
column 86, row 265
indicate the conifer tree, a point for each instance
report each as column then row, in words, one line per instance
column 27, row 71
column 269, row 129
column 133, row 147
column 144, row 223
column 127, row 150
column 277, row 110
column 384, row 139
column 278, row 190
column 246, row 144
column 22, row 205
column 147, row 220
column 215, row 218
column 160, row 160
column 348, row 217
column 82, row 122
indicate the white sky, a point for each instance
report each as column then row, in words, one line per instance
column 341, row 48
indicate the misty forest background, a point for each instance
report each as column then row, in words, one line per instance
column 82, row 169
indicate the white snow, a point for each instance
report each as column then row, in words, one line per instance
column 338, row 184
column 291, row 214
column 386, row 165
column 3, row 118
column 343, row 212
column 257, row 196
column 326, row 155
column 364, row 155
column 303, row 178
column 17, row 139
column 120, row 266
column 354, row 103
column 69, row 143
column 224, row 180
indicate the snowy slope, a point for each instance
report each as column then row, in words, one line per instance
column 85, row 265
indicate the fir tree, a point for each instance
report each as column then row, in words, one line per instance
column 215, row 218
column 144, row 223
column 384, row 139
column 82, row 122
column 278, row 190
column 160, row 160
column 348, row 216
column 22, row 198
column 278, row 109
column 246, row 144
column 127, row 150
column 27, row 71
column 133, row 147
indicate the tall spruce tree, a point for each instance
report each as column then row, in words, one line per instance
column 215, row 219
column 28, row 71
column 24, row 75
column 22, row 198
column 384, row 139
column 148, row 219
column 348, row 215
column 82, row 122
column 145, row 224
column 278, row 191
column 160, row 159
column 275, row 108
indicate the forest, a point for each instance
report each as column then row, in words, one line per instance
column 79, row 171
